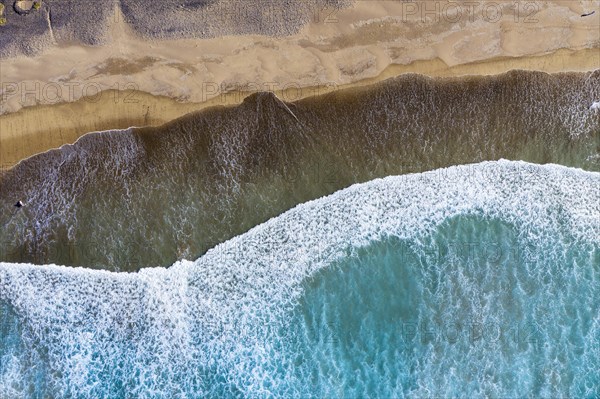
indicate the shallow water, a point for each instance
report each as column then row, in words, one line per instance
column 123, row 200
column 483, row 284
column 470, row 312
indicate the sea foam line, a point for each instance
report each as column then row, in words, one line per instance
column 214, row 311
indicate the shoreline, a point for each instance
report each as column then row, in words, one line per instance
column 26, row 132
column 228, row 169
column 71, row 88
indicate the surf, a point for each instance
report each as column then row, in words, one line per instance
column 334, row 297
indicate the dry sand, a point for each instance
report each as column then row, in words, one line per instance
column 370, row 41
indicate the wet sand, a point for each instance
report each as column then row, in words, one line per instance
column 36, row 129
column 163, row 74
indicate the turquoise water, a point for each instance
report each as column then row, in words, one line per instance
column 475, row 281
column 472, row 311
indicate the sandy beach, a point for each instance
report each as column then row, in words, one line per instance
column 69, row 89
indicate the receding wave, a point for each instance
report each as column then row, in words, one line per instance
column 121, row 200
column 476, row 280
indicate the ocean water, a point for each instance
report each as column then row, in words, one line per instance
column 478, row 280
column 123, row 200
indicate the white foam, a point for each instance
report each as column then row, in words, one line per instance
column 229, row 296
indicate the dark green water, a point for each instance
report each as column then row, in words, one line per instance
column 147, row 197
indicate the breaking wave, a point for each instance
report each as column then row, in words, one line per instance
column 474, row 280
